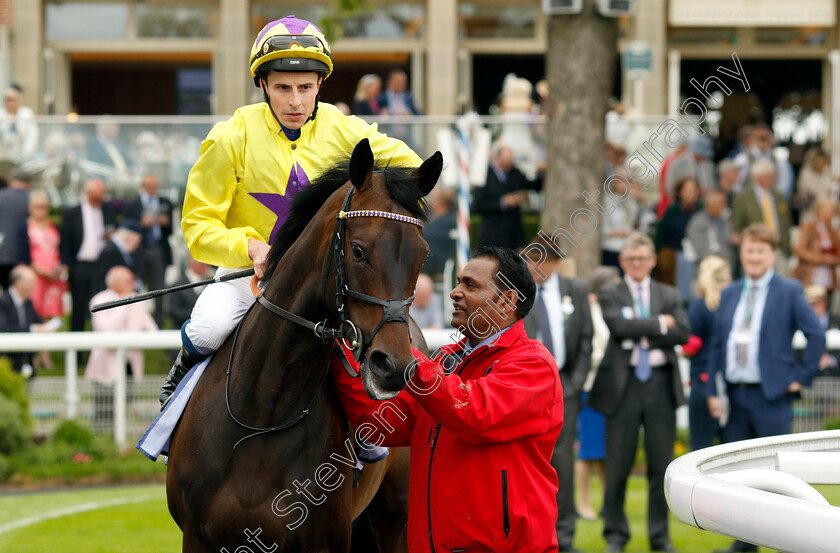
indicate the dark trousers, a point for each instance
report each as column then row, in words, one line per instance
column 703, row 428
column 84, row 283
column 563, row 461
column 751, row 415
column 151, row 267
column 650, row 406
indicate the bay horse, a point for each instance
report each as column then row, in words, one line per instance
column 263, row 454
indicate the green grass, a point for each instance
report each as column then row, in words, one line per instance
column 142, row 525
column 145, row 524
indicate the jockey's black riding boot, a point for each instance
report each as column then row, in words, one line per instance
column 183, row 363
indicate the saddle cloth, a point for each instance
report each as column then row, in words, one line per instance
column 155, row 441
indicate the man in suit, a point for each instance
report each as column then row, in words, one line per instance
column 397, row 99
column 709, row 232
column 119, row 251
column 84, row 230
column 14, row 209
column 17, row 314
column 761, row 203
column 499, row 199
column 154, row 253
column 638, row 385
column 562, row 322
column 106, row 148
column 751, row 343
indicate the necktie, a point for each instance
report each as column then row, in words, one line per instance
column 741, row 348
column 542, row 319
column 116, row 157
column 767, row 211
column 21, row 316
column 151, row 206
column 643, row 369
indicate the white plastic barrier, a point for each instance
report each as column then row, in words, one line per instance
column 72, row 342
column 760, row 491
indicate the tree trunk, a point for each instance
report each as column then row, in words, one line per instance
column 580, row 66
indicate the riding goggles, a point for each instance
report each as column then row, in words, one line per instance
column 287, row 42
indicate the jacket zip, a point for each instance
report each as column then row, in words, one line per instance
column 429, row 488
column 429, row 480
column 505, row 513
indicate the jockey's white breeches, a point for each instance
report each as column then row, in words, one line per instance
column 217, row 311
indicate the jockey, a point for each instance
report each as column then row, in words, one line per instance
column 240, row 189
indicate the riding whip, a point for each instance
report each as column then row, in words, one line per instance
column 156, row 293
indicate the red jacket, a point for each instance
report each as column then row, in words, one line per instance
column 480, row 445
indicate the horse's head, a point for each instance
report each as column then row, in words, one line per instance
column 384, row 250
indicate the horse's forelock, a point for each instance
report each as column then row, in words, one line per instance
column 400, row 183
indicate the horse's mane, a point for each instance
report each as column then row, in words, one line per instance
column 307, row 202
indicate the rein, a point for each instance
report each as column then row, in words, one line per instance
column 394, row 310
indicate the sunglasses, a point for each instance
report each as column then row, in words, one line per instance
column 285, row 42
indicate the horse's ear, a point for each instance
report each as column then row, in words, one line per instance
column 361, row 164
column 428, row 173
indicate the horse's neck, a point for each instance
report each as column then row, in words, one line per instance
column 278, row 362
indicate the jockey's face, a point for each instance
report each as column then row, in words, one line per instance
column 292, row 96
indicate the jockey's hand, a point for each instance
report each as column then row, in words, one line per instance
column 258, row 252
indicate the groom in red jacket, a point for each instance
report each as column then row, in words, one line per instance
column 481, row 417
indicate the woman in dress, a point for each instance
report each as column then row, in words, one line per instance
column 818, row 248
column 39, row 246
column 38, row 242
column 814, row 182
column 673, row 266
column 713, row 276
column 365, row 101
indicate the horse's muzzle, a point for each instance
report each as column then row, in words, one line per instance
column 381, row 377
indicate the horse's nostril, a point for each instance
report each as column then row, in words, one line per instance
column 381, row 364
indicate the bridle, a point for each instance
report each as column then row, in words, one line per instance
column 350, row 335
column 346, row 331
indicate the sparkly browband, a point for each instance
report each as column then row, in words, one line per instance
column 376, row 213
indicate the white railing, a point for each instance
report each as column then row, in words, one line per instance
column 760, row 491
column 72, row 342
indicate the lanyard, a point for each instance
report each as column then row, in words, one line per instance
column 750, row 307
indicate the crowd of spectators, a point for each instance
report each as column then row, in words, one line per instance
column 734, row 223
column 68, row 252
column 686, row 232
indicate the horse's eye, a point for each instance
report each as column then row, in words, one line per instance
column 358, row 252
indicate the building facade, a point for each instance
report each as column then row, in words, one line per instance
column 136, row 57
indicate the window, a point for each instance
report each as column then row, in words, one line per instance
column 792, row 36
column 86, row 20
column 185, row 21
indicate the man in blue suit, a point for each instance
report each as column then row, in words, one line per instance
column 752, row 344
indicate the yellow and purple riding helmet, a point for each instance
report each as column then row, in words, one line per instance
column 290, row 44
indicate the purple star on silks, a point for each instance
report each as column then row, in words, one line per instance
column 279, row 204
